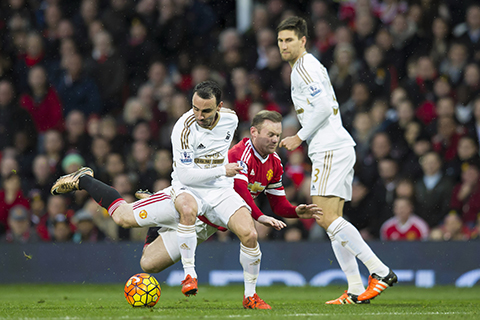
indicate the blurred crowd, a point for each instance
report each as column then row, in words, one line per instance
column 100, row 83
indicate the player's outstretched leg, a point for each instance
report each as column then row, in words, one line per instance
column 70, row 182
column 106, row 196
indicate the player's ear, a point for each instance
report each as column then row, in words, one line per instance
column 304, row 40
column 253, row 131
column 220, row 105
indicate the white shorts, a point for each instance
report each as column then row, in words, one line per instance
column 156, row 211
column 218, row 205
column 332, row 173
column 169, row 237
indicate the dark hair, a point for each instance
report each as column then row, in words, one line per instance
column 263, row 115
column 296, row 24
column 208, row 89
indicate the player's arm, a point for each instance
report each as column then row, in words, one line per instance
column 241, row 187
column 321, row 100
column 283, row 208
column 320, row 108
column 279, row 202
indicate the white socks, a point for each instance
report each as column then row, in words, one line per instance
column 349, row 238
column 250, row 260
column 349, row 266
column 187, row 243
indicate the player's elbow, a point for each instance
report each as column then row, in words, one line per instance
column 184, row 178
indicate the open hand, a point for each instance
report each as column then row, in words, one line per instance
column 306, row 211
column 271, row 222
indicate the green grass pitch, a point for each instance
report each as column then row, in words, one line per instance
column 86, row 301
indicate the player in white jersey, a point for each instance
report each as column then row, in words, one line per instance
column 202, row 175
column 331, row 150
column 155, row 211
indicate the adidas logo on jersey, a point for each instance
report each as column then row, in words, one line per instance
column 201, row 146
column 252, row 173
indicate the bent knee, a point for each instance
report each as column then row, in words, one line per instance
column 186, row 205
column 123, row 217
column 149, row 265
column 249, row 238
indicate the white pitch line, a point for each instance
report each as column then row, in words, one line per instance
column 276, row 315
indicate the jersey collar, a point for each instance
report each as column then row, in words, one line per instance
column 303, row 54
column 214, row 124
column 262, row 160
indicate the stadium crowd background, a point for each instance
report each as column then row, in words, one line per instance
column 101, row 82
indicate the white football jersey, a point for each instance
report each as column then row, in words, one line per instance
column 317, row 107
column 200, row 148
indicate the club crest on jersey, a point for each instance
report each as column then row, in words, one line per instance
column 269, row 174
column 243, row 165
column 186, row 157
column 229, row 135
column 314, row 89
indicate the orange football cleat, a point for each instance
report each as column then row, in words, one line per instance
column 254, row 302
column 377, row 285
column 347, row 298
column 189, row 286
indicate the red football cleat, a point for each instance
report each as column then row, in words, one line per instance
column 255, row 302
column 189, row 286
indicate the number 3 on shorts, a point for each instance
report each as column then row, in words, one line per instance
column 317, row 171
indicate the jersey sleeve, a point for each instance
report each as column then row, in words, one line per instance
column 241, row 187
column 315, row 85
column 183, row 157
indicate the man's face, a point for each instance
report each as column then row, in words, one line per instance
column 266, row 140
column 205, row 110
column 291, row 47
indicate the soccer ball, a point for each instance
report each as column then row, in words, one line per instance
column 142, row 290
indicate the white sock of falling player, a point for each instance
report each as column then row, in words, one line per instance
column 250, row 259
column 349, row 237
column 349, row 266
column 187, row 243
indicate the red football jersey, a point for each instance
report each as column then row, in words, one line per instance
column 414, row 229
column 260, row 175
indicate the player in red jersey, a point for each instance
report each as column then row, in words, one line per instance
column 263, row 170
